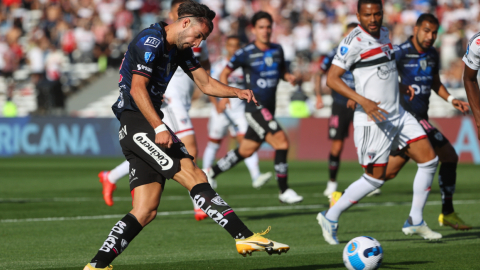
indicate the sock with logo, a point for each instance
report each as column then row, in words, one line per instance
column 447, row 178
column 421, row 189
column 209, row 154
column 118, row 172
column 231, row 159
column 216, row 208
column 354, row 193
column 281, row 169
column 121, row 235
column 333, row 165
column 252, row 165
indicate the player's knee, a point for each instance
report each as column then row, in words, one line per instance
column 282, row 144
column 245, row 153
column 390, row 175
column 145, row 215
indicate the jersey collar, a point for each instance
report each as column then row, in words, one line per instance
column 409, row 40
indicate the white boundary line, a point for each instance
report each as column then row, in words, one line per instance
column 245, row 209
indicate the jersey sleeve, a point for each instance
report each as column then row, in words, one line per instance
column 436, row 57
column 145, row 52
column 472, row 56
column 347, row 54
column 238, row 60
column 188, row 62
column 282, row 64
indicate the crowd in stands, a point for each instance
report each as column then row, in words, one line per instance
column 46, row 37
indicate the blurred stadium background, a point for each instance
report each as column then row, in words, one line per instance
column 59, row 67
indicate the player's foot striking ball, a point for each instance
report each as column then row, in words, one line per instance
column 153, row 151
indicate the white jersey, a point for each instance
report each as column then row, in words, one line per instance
column 472, row 56
column 372, row 63
column 235, row 79
column 181, row 86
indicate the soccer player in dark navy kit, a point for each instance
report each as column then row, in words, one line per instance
column 341, row 117
column 263, row 64
column 153, row 151
column 418, row 66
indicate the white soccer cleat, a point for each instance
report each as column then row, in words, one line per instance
column 290, row 197
column 262, row 179
column 374, row 193
column 422, row 230
column 208, row 172
column 329, row 228
column 331, row 187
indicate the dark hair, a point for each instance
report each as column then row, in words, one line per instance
column 361, row 2
column 261, row 15
column 427, row 17
column 352, row 25
column 176, row 2
column 200, row 12
column 234, row 37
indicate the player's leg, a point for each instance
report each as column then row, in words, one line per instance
column 447, row 178
column 333, row 166
column 109, row 180
column 417, row 146
column 396, row 161
column 193, row 179
column 217, row 127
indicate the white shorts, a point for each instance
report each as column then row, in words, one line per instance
column 374, row 143
column 176, row 117
column 233, row 120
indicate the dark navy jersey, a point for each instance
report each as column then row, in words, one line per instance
column 416, row 69
column 262, row 70
column 147, row 56
column 347, row 77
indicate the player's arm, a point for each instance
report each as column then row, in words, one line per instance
column 206, row 65
column 473, row 93
column 441, row 91
column 318, row 88
column 335, row 82
column 140, row 95
column 212, row 87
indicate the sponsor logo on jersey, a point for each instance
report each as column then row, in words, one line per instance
column 383, row 72
column 219, row 201
column 153, row 150
column 140, row 67
column 412, row 55
column 343, row 50
column 410, row 65
column 122, row 133
column 423, row 64
column 152, row 42
column 422, row 78
column 149, row 56
column 255, row 55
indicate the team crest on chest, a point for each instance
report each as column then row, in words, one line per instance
column 386, row 50
column 423, row 64
column 269, row 61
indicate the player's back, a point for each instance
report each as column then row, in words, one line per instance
column 418, row 70
column 263, row 70
column 372, row 63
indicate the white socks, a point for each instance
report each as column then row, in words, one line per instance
column 354, row 193
column 252, row 165
column 209, row 154
column 421, row 188
column 119, row 172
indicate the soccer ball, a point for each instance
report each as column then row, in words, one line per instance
column 362, row 253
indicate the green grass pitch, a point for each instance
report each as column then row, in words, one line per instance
column 52, row 216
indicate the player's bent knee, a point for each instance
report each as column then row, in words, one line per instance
column 245, row 153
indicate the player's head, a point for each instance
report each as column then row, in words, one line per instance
column 425, row 31
column 370, row 15
column 195, row 22
column 262, row 26
column 232, row 45
column 350, row 27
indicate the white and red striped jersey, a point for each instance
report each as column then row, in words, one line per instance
column 372, row 63
column 181, row 87
column 472, row 55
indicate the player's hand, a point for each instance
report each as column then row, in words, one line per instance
column 461, row 106
column 319, row 104
column 407, row 90
column 220, row 106
column 351, row 104
column 247, row 95
column 290, row 78
column 373, row 111
column 164, row 139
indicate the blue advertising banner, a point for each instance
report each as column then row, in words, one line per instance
column 64, row 136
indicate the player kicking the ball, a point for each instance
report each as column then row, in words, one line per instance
column 263, row 64
column 380, row 123
column 177, row 103
column 418, row 65
column 153, row 151
column 229, row 114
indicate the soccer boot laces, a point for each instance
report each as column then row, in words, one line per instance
column 257, row 242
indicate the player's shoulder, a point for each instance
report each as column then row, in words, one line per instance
column 474, row 44
column 353, row 38
column 433, row 52
column 151, row 37
column 403, row 48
